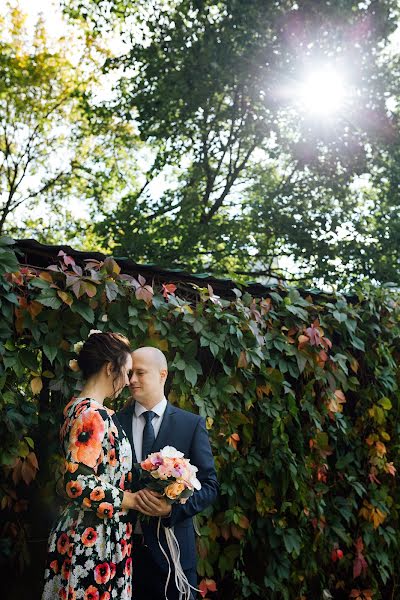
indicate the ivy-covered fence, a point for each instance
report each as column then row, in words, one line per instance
column 301, row 397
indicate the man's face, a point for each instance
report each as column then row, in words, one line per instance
column 147, row 380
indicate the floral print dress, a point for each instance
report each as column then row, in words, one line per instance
column 89, row 551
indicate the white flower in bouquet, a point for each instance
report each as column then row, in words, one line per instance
column 171, row 452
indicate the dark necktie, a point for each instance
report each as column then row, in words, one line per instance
column 148, row 433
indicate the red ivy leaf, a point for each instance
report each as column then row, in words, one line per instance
column 67, row 260
column 168, row 288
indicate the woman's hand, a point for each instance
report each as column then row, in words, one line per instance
column 153, row 504
column 147, row 502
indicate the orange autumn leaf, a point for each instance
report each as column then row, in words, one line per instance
column 354, row 365
column 361, row 594
column 380, row 449
column 168, row 288
column 335, row 401
column 390, row 468
column 36, row 385
column 302, row 341
column 46, row 276
column 207, row 585
column 233, row 440
column 242, row 362
column 372, row 514
column 262, row 390
column 65, row 297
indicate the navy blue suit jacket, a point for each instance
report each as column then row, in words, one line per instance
column 186, row 432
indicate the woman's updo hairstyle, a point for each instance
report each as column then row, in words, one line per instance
column 102, row 348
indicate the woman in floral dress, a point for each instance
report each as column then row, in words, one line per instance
column 89, row 552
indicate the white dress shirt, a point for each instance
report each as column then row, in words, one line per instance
column 138, row 423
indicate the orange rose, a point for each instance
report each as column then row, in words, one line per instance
column 173, row 490
column 147, row 465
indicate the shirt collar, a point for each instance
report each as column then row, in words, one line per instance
column 159, row 408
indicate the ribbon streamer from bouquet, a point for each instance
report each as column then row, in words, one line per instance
column 181, row 581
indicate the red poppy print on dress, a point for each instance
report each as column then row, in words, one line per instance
column 77, row 568
column 71, row 467
column 128, row 567
column 86, row 503
column 63, row 543
column 65, row 569
column 92, row 593
column 97, row 494
column 113, row 569
column 112, row 459
column 54, row 566
column 73, row 489
column 105, row 510
column 86, row 436
column 102, row 573
column 123, row 543
column 89, row 537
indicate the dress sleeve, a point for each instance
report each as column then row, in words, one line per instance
column 89, row 441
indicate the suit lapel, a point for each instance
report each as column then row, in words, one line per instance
column 167, row 426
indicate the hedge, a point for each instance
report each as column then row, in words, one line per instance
column 300, row 392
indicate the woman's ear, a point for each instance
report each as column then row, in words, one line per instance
column 109, row 369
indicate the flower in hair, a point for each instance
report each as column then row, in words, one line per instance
column 73, row 365
column 92, row 331
column 78, row 347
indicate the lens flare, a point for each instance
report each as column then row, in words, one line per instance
column 322, row 92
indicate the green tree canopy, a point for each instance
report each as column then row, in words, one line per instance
column 255, row 177
column 56, row 143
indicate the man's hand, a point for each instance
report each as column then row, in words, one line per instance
column 152, row 504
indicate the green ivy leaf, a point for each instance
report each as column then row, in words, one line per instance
column 84, row 311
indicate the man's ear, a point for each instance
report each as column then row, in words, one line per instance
column 164, row 374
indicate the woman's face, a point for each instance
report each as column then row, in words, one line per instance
column 118, row 383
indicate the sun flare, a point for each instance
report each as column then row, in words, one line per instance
column 322, row 92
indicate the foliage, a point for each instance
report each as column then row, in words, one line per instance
column 252, row 178
column 301, row 398
column 55, row 141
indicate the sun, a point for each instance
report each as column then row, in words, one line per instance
column 322, row 91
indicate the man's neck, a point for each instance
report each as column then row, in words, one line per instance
column 150, row 404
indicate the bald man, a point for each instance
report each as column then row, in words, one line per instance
column 151, row 423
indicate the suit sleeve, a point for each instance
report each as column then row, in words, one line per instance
column 201, row 457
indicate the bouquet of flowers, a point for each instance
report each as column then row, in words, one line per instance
column 170, row 474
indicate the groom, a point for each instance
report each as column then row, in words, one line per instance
column 151, row 423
